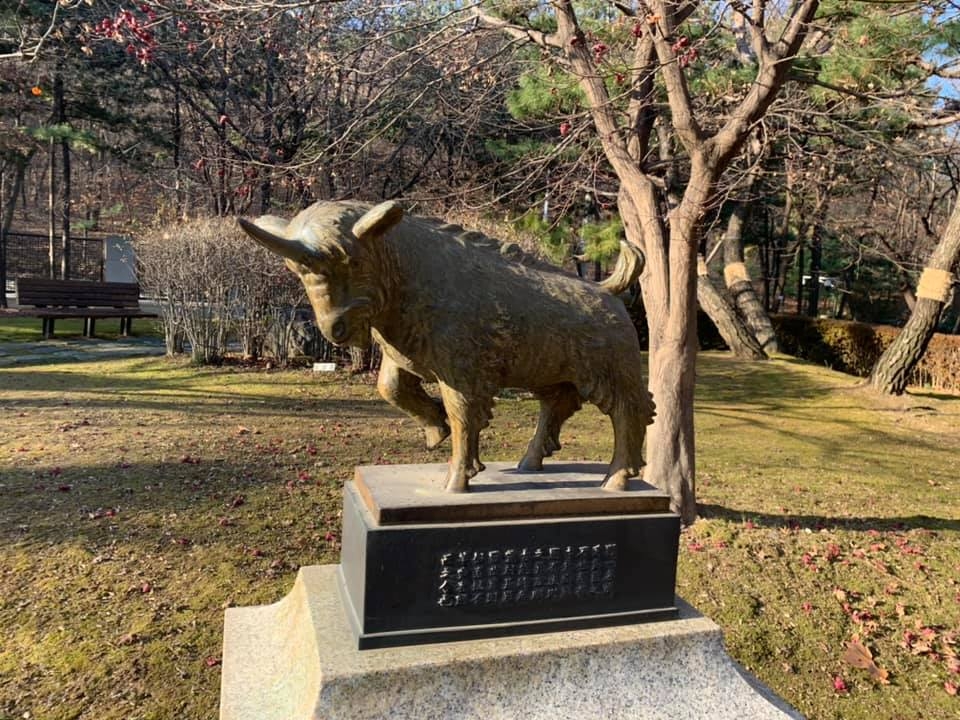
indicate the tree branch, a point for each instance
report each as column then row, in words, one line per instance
column 518, row 32
column 31, row 53
column 640, row 109
column 775, row 61
column 660, row 26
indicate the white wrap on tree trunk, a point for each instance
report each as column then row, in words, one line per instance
column 735, row 272
column 935, row 284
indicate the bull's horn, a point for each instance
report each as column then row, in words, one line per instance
column 290, row 249
column 378, row 219
column 626, row 271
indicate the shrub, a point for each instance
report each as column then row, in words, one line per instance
column 854, row 348
column 213, row 283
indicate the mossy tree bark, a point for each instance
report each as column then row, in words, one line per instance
column 893, row 369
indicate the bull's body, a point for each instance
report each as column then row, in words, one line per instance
column 456, row 308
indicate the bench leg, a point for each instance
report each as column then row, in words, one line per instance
column 47, row 328
column 89, row 325
column 125, row 323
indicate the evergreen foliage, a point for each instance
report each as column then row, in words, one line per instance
column 602, row 239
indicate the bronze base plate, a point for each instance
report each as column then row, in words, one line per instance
column 402, row 494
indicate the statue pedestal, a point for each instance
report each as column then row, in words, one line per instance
column 519, row 553
column 451, row 598
column 297, row 660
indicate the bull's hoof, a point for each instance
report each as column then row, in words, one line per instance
column 436, row 434
column 618, row 482
column 530, row 464
column 457, row 485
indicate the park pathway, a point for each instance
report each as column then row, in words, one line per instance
column 77, row 350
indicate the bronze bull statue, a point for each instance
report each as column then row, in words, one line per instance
column 460, row 309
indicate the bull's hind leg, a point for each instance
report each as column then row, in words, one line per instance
column 557, row 404
column 405, row 391
column 468, row 415
column 630, row 420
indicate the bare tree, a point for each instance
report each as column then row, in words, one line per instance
column 670, row 238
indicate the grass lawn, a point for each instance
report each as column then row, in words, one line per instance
column 29, row 329
column 140, row 498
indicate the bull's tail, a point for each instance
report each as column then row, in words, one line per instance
column 626, row 271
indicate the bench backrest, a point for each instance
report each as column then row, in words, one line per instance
column 40, row 292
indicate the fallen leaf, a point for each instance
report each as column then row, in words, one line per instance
column 859, row 656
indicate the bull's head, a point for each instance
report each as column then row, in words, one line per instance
column 317, row 247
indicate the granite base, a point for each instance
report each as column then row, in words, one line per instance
column 297, row 659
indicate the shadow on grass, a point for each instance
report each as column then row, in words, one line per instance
column 762, row 384
column 142, row 388
column 818, row 522
column 160, row 501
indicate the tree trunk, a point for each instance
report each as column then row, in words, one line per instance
column 908, row 297
column 8, row 201
column 360, row 360
column 51, row 210
column 735, row 334
column 65, row 190
column 816, row 258
column 3, row 237
column 671, row 457
column 956, row 309
column 741, row 289
column 670, row 304
column 176, row 137
column 893, row 369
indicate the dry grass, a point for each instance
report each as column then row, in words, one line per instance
column 142, row 497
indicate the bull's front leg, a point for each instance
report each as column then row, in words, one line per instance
column 405, row 390
column 467, row 416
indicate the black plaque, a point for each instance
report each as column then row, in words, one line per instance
column 430, row 582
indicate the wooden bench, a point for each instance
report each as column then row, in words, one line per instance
column 51, row 300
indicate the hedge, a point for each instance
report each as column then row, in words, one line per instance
column 854, row 348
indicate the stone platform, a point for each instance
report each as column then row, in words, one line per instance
column 297, row 660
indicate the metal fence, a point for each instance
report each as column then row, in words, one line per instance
column 28, row 255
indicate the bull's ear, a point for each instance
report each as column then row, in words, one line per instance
column 378, row 219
